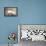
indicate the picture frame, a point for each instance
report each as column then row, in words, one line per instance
column 37, row 29
column 10, row 11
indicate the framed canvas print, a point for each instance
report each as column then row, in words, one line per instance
column 10, row 11
column 32, row 32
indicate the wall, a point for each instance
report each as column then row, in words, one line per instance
column 34, row 12
column 29, row 12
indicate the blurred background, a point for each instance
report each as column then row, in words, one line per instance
column 29, row 12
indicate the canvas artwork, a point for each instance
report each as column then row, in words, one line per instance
column 10, row 11
column 33, row 32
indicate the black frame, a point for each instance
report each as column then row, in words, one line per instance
column 5, row 8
